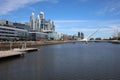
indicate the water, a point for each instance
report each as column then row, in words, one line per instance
column 79, row 61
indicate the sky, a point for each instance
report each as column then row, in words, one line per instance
column 69, row 16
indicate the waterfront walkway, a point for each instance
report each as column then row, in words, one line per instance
column 15, row 52
column 10, row 53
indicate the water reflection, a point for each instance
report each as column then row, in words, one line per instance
column 94, row 61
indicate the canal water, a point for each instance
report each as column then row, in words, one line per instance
column 70, row 61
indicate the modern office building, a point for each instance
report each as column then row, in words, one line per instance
column 13, row 31
column 32, row 22
column 5, row 23
column 80, row 35
column 48, row 26
column 41, row 24
column 34, row 30
column 20, row 26
column 10, row 33
column 37, row 23
column 55, row 36
column 41, row 15
column 38, row 36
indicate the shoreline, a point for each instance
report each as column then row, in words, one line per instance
column 8, row 49
column 4, row 46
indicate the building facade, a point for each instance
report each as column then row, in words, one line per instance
column 11, row 34
column 32, row 22
column 38, row 36
column 41, row 24
column 37, row 23
column 80, row 35
column 55, row 36
column 36, row 29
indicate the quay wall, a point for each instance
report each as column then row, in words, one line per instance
column 31, row 44
column 28, row 44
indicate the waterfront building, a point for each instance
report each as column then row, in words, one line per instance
column 37, row 23
column 41, row 15
column 5, row 23
column 32, row 22
column 34, row 30
column 48, row 26
column 70, row 37
column 74, row 37
column 27, row 24
column 65, row 37
column 11, row 34
column 41, row 24
column 14, row 24
column 55, row 36
column 20, row 26
column 38, row 36
column 80, row 35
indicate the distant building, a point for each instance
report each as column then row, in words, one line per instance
column 55, row 36
column 74, row 37
column 65, row 37
column 37, row 23
column 41, row 15
column 32, row 22
column 27, row 24
column 70, row 37
column 36, row 29
column 41, row 24
column 48, row 26
column 5, row 23
column 80, row 35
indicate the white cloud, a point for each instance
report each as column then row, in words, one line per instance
column 103, row 32
column 111, row 7
column 10, row 5
column 85, row 29
column 88, row 26
column 65, row 24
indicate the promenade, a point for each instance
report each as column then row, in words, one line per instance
column 10, row 53
column 27, row 44
column 18, row 48
column 8, row 49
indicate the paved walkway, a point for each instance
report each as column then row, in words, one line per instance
column 9, row 53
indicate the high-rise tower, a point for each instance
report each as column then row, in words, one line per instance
column 32, row 22
column 41, row 15
column 80, row 35
column 38, row 23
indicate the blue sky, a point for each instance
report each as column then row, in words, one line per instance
column 70, row 16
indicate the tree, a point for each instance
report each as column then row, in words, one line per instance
column 98, row 39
